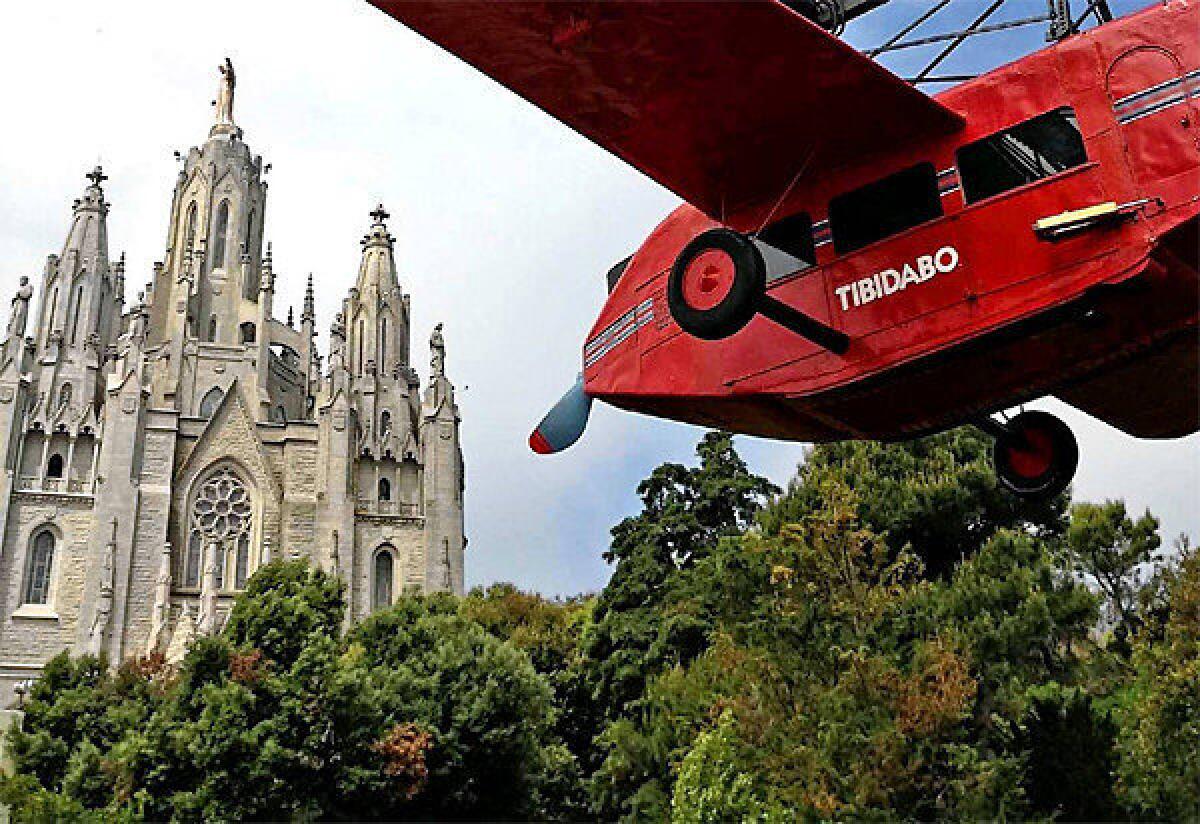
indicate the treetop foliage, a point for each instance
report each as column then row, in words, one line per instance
column 892, row 637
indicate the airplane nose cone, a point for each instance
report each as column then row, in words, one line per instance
column 564, row 423
column 539, row 444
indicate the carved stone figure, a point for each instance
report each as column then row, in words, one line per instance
column 225, row 94
column 19, row 315
column 162, row 602
column 206, row 621
column 137, row 327
column 105, row 601
column 437, row 351
column 337, row 341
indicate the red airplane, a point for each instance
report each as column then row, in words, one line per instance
column 856, row 259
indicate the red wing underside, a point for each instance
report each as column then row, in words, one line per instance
column 724, row 103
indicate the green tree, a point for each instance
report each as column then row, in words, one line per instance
column 1159, row 737
column 1069, row 746
column 285, row 606
column 938, row 495
column 849, row 684
column 1105, row 546
column 487, row 710
column 419, row 713
column 643, row 622
column 549, row 632
column 77, row 704
column 1020, row 618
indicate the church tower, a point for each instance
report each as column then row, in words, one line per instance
column 78, row 322
column 211, row 282
column 383, row 386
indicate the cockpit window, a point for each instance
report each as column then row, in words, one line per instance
column 1038, row 148
column 614, row 274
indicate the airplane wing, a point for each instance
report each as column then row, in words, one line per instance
column 724, row 103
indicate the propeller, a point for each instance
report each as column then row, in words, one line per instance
column 564, row 423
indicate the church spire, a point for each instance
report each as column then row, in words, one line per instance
column 378, row 268
column 88, row 236
column 310, row 304
column 78, row 310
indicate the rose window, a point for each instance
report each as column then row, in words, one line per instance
column 222, row 518
column 222, row 509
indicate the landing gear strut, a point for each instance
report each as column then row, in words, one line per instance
column 1035, row 454
column 719, row 283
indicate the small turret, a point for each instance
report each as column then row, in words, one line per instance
column 310, row 304
column 266, row 300
column 308, row 333
column 78, row 283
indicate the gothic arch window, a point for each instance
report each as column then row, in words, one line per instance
column 385, row 423
column 383, row 347
column 189, row 230
column 381, row 587
column 208, row 404
column 362, row 335
column 250, row 284
column 219, row 233
column 241, row 561
column 385, row 489
column 212, row 328
column 53, row 309
column 76, row 305
column 64, row 395
column 54, row 469
column 222, row 515
column 41, row 562
column 189, row 572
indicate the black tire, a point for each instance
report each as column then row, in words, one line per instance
column 740, row 304
column 1053, row 441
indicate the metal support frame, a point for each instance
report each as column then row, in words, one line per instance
column 1058, row 15
column 942, row 38
column 959, row 39
column 1099, row 8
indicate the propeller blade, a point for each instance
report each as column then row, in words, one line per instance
column 564, row 423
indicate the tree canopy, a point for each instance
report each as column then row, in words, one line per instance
column 892, row 637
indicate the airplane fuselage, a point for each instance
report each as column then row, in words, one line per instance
column 1047, row 247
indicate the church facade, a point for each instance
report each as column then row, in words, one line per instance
column 155, row 455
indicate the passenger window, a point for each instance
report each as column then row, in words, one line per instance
column 1038, row 148
column 884, row 208
column 787, row 246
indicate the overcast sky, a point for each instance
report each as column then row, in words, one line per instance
column 505, row 222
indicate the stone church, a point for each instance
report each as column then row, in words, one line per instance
column 155, row 455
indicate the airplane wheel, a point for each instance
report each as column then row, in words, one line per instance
column 1036, row 455
column 716, row 284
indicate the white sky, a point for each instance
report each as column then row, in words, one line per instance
column 505, row 222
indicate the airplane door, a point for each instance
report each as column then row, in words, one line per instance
column 1153, row 99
